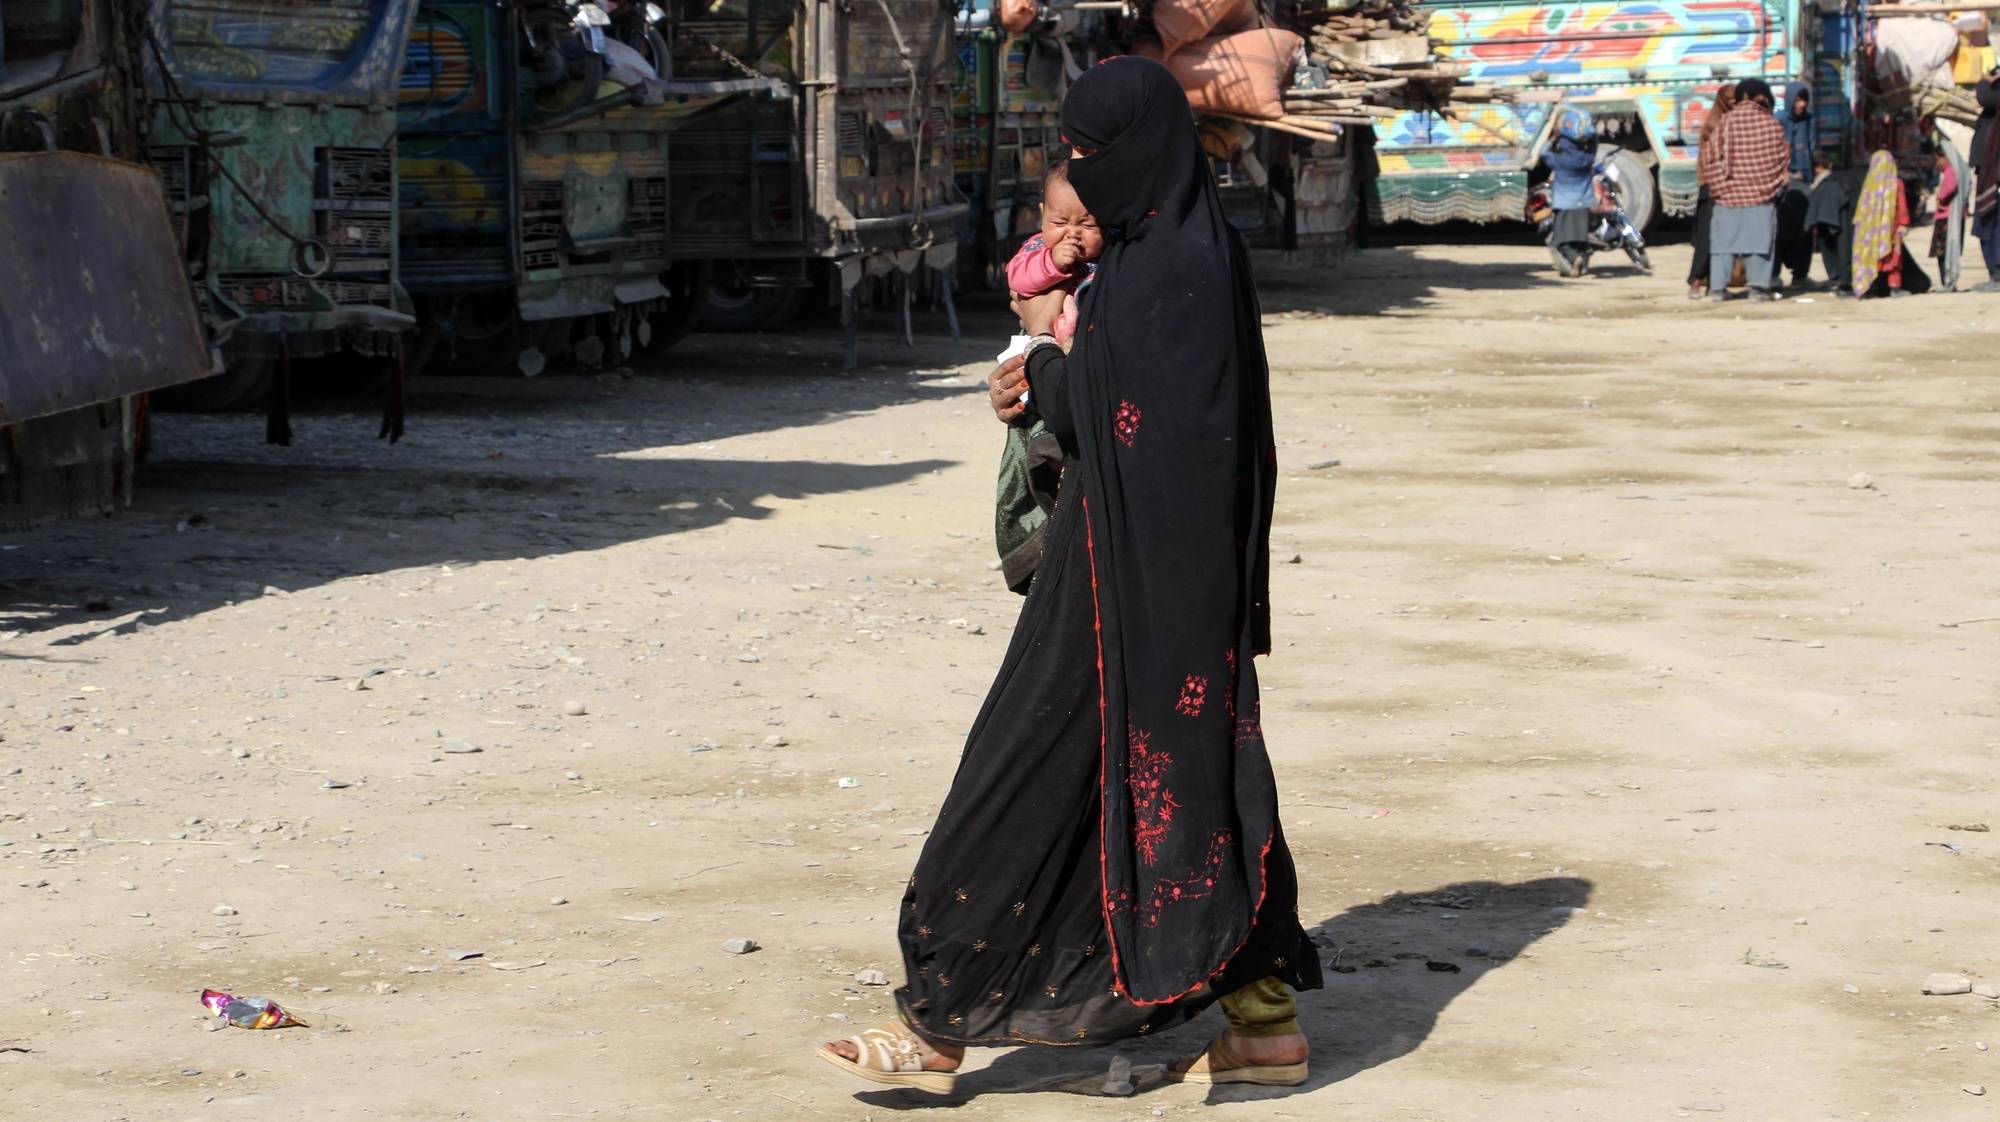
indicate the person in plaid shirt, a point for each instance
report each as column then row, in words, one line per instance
column 1750, row 171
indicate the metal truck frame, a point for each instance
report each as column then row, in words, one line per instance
column 97, row 310
column 847, row 171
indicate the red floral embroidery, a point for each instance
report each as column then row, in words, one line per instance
column 1229, row 694
column 1196, row 886
column 1153, row 804
column 1250, row 727
column 1194, row 694
column 1127, row 424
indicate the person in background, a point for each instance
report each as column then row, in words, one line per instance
column 1830, row 221
column 1941, row 216
column 1795, row 243
column 1704, row 208
column 1572, row 160
column 1752, row 165
column 1986, row 178
column 1881, row 219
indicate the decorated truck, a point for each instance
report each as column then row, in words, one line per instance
column 272, row 124
column 1647, row 72
column 536, row 177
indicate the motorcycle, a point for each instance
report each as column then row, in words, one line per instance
column 1609, row 228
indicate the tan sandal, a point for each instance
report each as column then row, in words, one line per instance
column 892, row 1056
column 1219, row 1063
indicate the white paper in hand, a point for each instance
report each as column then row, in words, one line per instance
column 1015, row 346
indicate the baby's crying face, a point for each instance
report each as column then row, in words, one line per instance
column 1066, row 222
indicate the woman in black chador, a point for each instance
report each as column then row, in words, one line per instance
column 1109, row 861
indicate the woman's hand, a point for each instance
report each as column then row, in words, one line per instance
column 1039, row 313
column 1005, row 387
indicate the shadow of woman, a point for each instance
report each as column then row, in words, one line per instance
column 1393, row 967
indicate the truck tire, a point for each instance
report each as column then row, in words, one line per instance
column 1637, row 193
column 733, row 306
column 687, row 283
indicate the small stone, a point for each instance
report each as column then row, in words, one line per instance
column 128, row 886
column 1861, row 481
column 222, row 910
column 384, row 988
column 461, row 956
column 240, row 752
column 871, row 977
column 1975, row 1088
column 1979, row 1044
column 1987, row 989
column 558, row 901
column 459, row 746
column 740, row 946
column 190, row 1072
column 97, row 997
column 847, row 782
column 572, row 775
column 1322, row 465
column 776, row 740
column 1851, row 988
column 239, row 1073
column 1474, row 952
column 1296, row 559
column 1946, row 985
column 574, row 709
column 335, row 785
column 36, row 883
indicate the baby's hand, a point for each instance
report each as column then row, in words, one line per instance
column 1066, row 255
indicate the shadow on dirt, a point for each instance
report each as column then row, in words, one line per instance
column 211, row 534
column 1382, row 1008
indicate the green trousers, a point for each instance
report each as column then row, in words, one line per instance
column 1263, row 1008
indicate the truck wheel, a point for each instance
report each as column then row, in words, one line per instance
column 687, row 283
column 1637, row 194
column 734, row 306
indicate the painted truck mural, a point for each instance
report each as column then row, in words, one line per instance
column 1647, row 71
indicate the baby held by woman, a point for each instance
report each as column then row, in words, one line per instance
column 1063, row 256
column 1059, row 259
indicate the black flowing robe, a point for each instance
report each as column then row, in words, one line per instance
column 1109, row 859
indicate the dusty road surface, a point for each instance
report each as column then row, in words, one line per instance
column 1602, row 681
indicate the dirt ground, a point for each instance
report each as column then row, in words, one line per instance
column 1600, row 676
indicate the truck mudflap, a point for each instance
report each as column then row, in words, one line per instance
column 1446, row 185
column 98, row 305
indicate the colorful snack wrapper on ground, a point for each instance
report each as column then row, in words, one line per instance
column 248, row 1012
